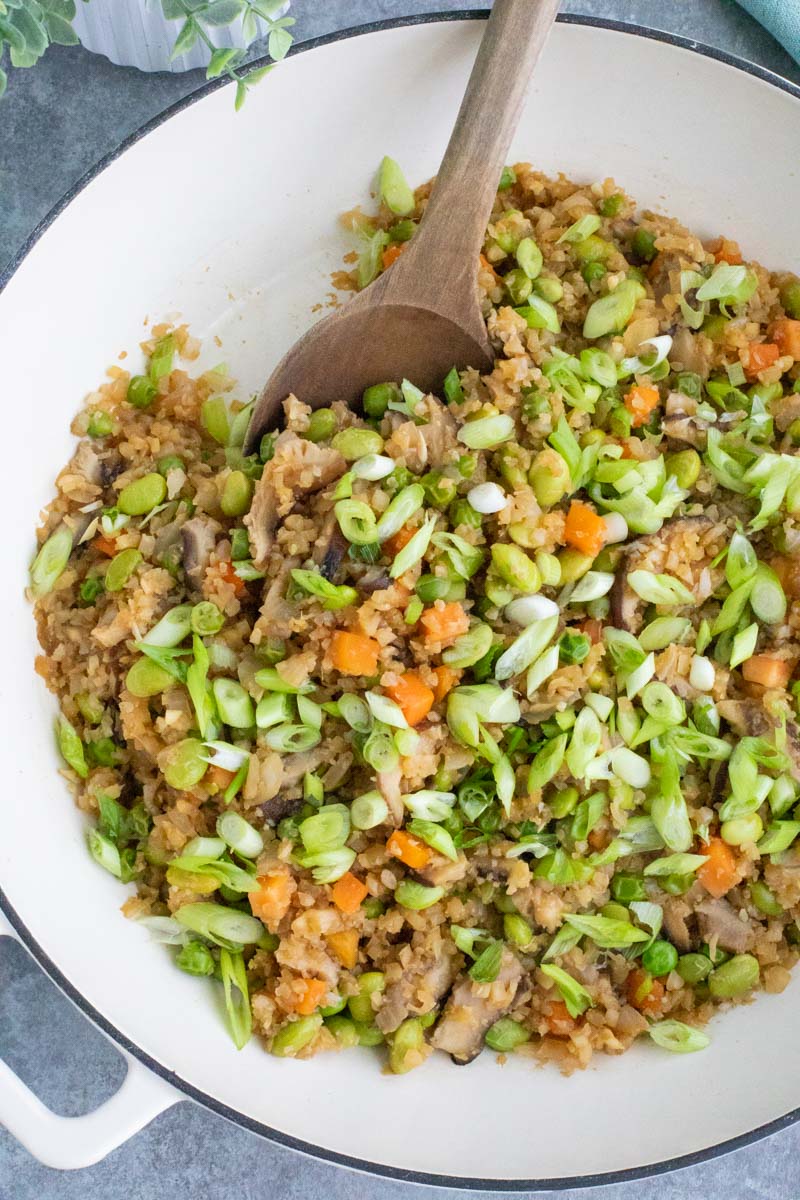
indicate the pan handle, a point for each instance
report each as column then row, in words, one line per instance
column 68, row 1143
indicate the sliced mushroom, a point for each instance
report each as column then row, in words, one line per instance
column 376, row 580
column 297, row 468
column 719, row 922
column 280, row 806
column 627, row 609
column 275, row 618
column 442, row 872
column 421, row 986
column 688, row 353
column 330, row 548
column 682, row 423
column 676, row 910
column 199, row 537
column 472, row 1008
column 786, row 410
column 389, row 787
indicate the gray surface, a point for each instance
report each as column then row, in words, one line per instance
column 56, row 122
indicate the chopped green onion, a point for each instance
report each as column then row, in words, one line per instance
column 678, row 1037
column 225, row 927
column 486, row 432
column 433, row 835
column 292, row 739
column 429, row 805
column 394, row 190
column 71, row 746
column 415, row 548
column 50, row 562
column 675, row 864
column 574, row 995
column 333, row 597
column 659, row 589
column 584, row 227
column 416, row 895
column 386, row 710
column 240, row 835
column 356, row 521
column 611, row 313
column 368, row 810
column 486, row 967
column 400, row 509
column 744, row 644
column 605, row 932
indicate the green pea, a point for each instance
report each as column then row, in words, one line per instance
column 515, row 568
column 440, row 489
column 369, row 983
column 461, row 512
column 644, row 244
column 549, row 288
column 170, row 462
column 101, row 424
column 517, row 930
column 343, row 1029
column 593, row 271
column 237, row 492
column 376, row 399
column 146, row 678
column 609, row 206
column 183, row 765
column 355, row 443
column 685, row 466
column 660, row 958
column 295, row 1036
column 734, row 978
column 740, row 830
column 550, row 478
column 518, row 285
column 505, row 1035
column 141, row 391
column 693, row 968
column 121, row 568
column 143, row 494
column 574, row 565
column 790, row 297
column 764, row 899
column 563, row 802
column 321, row 425
column 408, row 1039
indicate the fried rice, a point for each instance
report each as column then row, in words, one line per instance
column 459, row 720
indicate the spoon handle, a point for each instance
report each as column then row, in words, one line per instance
column 455, row 220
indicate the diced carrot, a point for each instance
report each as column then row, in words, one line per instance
column 728, row 251
column 219, row 778
column 227, row 572
column 593, row 628
column 344, row 944
column 308, row 994
column 788, row 572
column 414, row 697
column 644, row 992
column 559, row 1021
column 719, row 873
column 408, row 849
column 446, row 680
column 598, row 839
column 105, row 545
column 393, row 545
column 786, row 334
column 271, row 902
column 584, row 529
column 392, row 253
column 348, row 892
column 354, row 653
column 444, row 622
column 758, row 356
column 487, row 266
column 640, row 402
column 769, row 672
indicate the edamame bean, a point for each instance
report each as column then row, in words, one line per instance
column 737, row 976
column 183, row 765
column 517, row 930
column 237, row 492
column 685, row 466
column 764, row 899
column 295, row 1036
column 515, row 568
column 549, row 477
column 518, row 285
column 693, row 968
column 740, row 830
column 407, row 1045
column 369, row 983
column 146, row 678
column 355, row 443
column 143, row 494
column 574, row 565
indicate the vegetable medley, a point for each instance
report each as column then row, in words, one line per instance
column 467, row 719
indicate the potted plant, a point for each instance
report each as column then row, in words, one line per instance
column 153, row 35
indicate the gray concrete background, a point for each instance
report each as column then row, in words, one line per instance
column 56, row 121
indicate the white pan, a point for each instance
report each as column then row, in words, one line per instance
column 231, row 221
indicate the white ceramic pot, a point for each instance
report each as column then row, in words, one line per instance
column 135, row 33
column 242, row 252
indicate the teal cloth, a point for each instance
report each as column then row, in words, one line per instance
column 781, row 18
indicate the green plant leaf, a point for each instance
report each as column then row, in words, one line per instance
column 222, row 12
column 241, row 94
column 187, row 37
column 280, row 41
column 254, row 77
column 60, row 31
column 249, row 27
column 32, row 30
column 221, row 60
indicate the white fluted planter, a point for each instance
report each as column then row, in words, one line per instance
column 135, row 33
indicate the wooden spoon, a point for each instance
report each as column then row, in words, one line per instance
column 422, row 316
